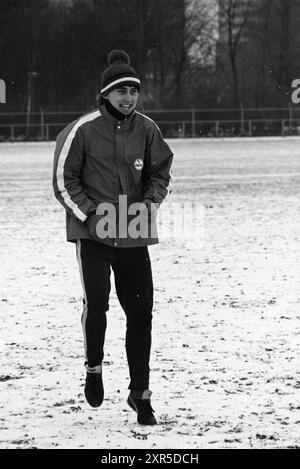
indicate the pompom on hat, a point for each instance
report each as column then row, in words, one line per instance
column 119, row 72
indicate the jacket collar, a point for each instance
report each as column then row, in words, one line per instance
column 112, row 120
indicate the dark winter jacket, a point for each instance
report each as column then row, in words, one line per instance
column 98, row 158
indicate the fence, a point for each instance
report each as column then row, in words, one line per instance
column 173, row 123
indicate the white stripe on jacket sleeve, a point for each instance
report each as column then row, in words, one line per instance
column 61, row 163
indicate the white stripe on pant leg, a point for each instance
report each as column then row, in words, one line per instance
column 85, row 308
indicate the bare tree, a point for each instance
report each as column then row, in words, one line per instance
column 233, row 18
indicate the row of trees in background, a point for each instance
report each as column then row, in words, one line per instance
column 260, row 49
column 189, row 53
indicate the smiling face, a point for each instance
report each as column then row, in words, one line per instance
column 124, row 99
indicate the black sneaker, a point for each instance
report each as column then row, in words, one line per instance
column 93, row 389
column 142, row 407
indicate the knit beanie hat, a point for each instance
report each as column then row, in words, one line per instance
column 119, row 72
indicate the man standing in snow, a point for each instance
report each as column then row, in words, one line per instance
column 109, row 166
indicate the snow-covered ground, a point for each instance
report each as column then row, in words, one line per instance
column 225, row 353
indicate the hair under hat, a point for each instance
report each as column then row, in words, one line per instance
column 119, row 72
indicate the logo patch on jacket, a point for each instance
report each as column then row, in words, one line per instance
column 138, row 164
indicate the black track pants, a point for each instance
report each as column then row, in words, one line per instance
column 134, row 287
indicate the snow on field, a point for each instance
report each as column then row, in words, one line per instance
column 225, row 354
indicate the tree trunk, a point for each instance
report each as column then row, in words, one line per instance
column 284, row 57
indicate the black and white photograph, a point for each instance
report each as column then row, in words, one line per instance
column 150, row 227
